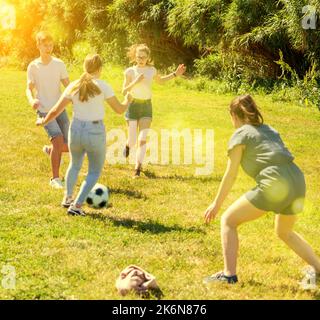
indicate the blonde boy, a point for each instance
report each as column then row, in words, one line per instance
column 44, row 77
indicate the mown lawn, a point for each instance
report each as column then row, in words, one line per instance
column 155, row 222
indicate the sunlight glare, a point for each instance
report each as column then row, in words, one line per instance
column 7, row 16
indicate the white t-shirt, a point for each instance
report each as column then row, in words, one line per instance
column 93, row 109
column 142, row 90
column 47, row 80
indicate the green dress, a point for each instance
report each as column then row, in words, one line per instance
column 280, row 183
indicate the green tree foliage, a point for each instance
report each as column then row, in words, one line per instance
column 234, row 40
column 116, row 25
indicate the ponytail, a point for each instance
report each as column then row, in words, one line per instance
column 85, row 86
column 245, row 108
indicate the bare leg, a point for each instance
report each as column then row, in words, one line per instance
column 144, row 125
column 65, row 147
column 239, row 212
column 132, row 133
column 284, row 229
column 55, row 155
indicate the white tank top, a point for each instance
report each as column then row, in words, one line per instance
column 143, row 89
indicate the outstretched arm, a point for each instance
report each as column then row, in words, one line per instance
column 54, row 112
column 129, row 83
column 179, row 72
column 117, row 106
column 227, row 182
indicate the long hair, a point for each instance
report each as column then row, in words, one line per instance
column 132, row 51
column 85, row 86
column 245, row 108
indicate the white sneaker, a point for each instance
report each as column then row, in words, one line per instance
column 47, row 149
column 74, row 211
column 67, row 201
column 56, row 183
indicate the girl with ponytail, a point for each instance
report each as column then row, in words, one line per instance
column 85, row 86
column 87, row 131
column 280, row 187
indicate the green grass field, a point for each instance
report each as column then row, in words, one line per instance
column 155, row 222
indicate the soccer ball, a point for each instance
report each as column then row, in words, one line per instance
column 98, row 197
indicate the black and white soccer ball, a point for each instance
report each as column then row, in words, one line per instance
column 98, row 196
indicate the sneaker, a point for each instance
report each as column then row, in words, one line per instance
column 137, row 172
column 220, row 277
column 47, row 150
column 126, row 151
column 66, row 202
column 56, row 183
column 74, row 211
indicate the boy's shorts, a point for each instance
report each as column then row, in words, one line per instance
column 57, row 127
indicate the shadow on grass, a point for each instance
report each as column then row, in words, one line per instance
column 151, row 175
column 314, row 294
column 152, row 294
column 143, row 226
column 129, row 193
column 255, row 283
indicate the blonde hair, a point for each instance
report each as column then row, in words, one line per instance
column 132, row 51
column 245, row 108
column 85, row 86
column 43, row 36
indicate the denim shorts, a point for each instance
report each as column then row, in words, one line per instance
column 139, row 109
column 57, row 127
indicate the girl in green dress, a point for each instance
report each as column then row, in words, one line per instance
column 280, row 187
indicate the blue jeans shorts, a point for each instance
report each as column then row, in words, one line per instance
column 57, row 127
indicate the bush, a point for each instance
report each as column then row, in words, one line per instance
column 80, row 50
column 293, row 88
column 209, row 66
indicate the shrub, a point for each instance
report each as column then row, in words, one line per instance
column 210, row 66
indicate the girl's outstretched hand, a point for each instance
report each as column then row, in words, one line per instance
column 181, row 70
column 211, row 212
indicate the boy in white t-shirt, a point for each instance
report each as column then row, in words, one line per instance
column 44, row 77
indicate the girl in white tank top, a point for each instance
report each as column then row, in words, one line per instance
column 138, row 81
